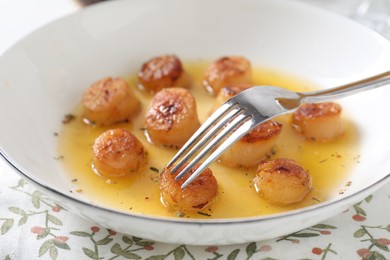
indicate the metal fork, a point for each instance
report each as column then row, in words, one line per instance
column 248, row 109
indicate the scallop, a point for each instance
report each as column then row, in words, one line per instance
column 228, row 92
column 118, row 153
column 282, row 181
column 199, row 194
column 171, row 117
column 227, row 71
column 163, row 72
column 108, row 101
column 319, row 121
column 253, row 147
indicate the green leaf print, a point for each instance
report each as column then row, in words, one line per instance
column 80, row 234
column 127, row 240
column 179, row 253
column 251, row 249
column 36, row 199
column 91, row 254
column 324, row 226
column 45, row 247
column 359, row 233
column 7, row 225
column 233, row 255
column 104, row 241
column 54, row 220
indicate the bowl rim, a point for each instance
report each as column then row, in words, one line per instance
column 348, row 199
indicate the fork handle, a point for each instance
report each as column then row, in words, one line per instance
column 376, row 81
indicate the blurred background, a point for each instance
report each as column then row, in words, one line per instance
column 19, row 17
column 373, row 13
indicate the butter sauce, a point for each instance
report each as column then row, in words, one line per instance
column 328, row 163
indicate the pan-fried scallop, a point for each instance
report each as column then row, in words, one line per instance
column 282, row 181
column 171, row 117
column 163, row 72
column 227, row 71
column 108, row 101
column 253, row 147
column 199, row 194
column 117, row 153
column 228, row 92
column 319, row 121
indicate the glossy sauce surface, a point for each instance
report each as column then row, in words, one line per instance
column 328, row 163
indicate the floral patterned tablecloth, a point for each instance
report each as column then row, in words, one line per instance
column 34, row 227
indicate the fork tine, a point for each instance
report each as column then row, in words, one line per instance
column 215, row 128
column 202, row 129
column 241, row 131
column 240, row 119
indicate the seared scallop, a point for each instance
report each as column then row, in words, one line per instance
column 117, row 153
column 109, row 101
column 197, row 195
column 228, row 92
column 163, row 72
column 321, row 121
column 282, row 181
column 227, row 71
column 171, row 117
column 253, row 147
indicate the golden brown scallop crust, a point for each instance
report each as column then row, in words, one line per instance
column 253, row 147
column 263, row 132
column 162, row 72
column 282, row 181
column 197, row 195
column 109, row 101
column 171, row 117
column 316, row 110
column 319, row 121
column 227, row 71
column 228, row 92
column 117, row 153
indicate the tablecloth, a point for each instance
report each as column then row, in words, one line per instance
column 32, row 226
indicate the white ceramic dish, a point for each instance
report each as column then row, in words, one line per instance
column 41, row 78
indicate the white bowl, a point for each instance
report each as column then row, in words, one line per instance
column 41, row 78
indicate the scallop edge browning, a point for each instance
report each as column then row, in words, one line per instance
column 109, row 100
column 197, row 195
column 163, row 72
column 171, row 117
column 282, row 181
column 253, row 147
column 118, row 153
column 319, row 121
column 226, row 71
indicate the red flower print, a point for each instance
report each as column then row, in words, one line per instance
column 111, row 232
column 316, row 250
column 364, row 253
column 95, row 229
column 56, row 208
column 38, row 230
column 61, row 239
column 383, row 241
column 211, row 249
column 148, row 248
column 265, row 248
column 358, row 217
column 325, row 232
